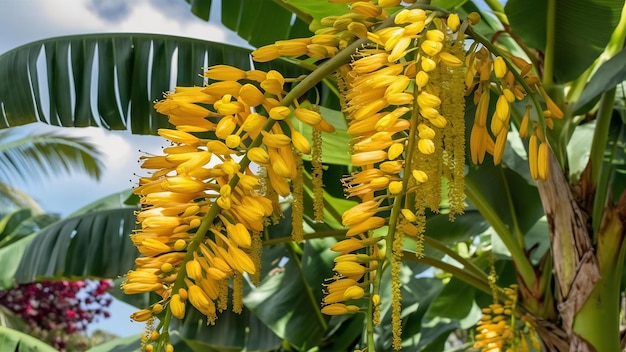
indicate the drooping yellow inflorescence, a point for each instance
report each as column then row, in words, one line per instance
column 403, row 96
column 487, row 73
column 204, row 207
column 184, row 259
column 503, row 328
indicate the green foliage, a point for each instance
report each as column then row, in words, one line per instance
column 16, row 341
column 284, row 309
column 582, row 30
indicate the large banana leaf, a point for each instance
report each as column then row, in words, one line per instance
column 17, row 230
column 132, row 71
column 37, row 157
column 582, row 30
column 16, row 341
column 262, row 22
column 91, row 245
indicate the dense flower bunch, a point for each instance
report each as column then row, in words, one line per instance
column 404, row 99
column 487, row 73
column 54, row 309
column 183, row 257
column 403, row 78
column 502, row 328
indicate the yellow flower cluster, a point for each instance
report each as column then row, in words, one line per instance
column 487, row 73
column 498, row 329
column 395, row 93
column 185, row 257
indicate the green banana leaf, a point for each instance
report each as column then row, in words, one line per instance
column 17, row 341
column 582, row 29
column 95, row 244
column 17, row 230
column 132, row 71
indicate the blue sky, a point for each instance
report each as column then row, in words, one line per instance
column 25, row 21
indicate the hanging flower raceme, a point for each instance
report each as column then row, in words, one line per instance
column 487, row 73
column 503, row 328
column 403, row 96
column 203, row 205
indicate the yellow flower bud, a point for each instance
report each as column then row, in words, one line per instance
column 200, row 300
column 179, row 136
column 421, row 79
column 371, row 223
column 510, row 97
column 224, row 73
column 339, row 309
column 502, row 108
column 157, row 308
column 279, row 112
column 265, row 53
column 258, row 155
column 431, row 47
column 420, row 176
column 349, row 268
column 473, row 18
column 141, row 315
column 253, row 122
column 182, row 292
column 425, row 132
column 395, row 150
column 454, row 22
column 353, row 292
column 166, row 267
column 179, row 245
column 372, row 157
column 426, row 146
column 395, row 187
column 233, row 141
column 307, row 116
column 366, row 9
column 408, row 214
column 429, row 64
column 300, row 142
column 177, row 307
column 391, row 167
column 239, row 234
column 379, row 182
column 427, row 100
column 449, row 59
column 499, row 67
column 275, row 140
column 435, row 35
column 194, row 270
column 251, row 95
column 225, row 128
column 293, row 48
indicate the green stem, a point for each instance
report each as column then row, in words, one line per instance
column 293, row 254
column 310, row 236
column 498, row 10
column 467, row 264
column 600, row 173
column 518, row 233
column 548, row 61
column 597, row 321
column 480, row 283
column 521, row 261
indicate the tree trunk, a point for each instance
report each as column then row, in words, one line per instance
column 580, row 272
column 575, row 266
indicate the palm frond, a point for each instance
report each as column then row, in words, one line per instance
column 109, row 80
column 37, row 157
column 12, row 198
